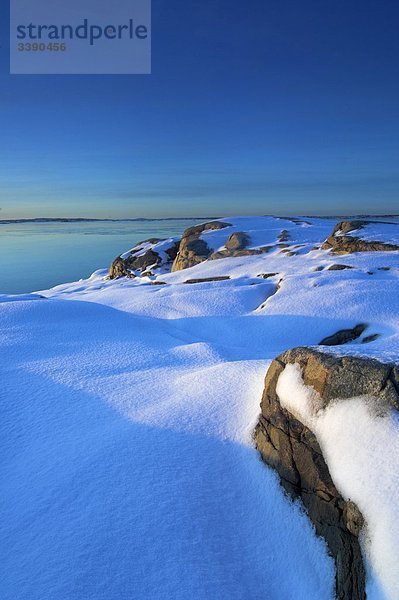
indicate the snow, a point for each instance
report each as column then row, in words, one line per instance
column 388, row 232
column 127, row 442
column 364, row 465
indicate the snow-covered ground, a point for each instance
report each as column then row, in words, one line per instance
column 128, row 464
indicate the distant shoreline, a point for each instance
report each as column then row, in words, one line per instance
column 155, row 219
column 84, row 220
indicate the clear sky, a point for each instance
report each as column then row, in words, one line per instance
column 253, row 107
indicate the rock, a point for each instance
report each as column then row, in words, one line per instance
column 283, row 235
column 124, row 267
column 339, row 267
column 266, row 275
column 238, row 241
column 293, row 450
column 172, row 251
column 340, row 242
column 192, row 249
column 119, row 269
column 344, row 336
column 371, row 338
column 142, row 262
column 207, row 279
column 226, row 253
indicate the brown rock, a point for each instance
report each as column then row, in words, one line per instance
column 292, row 449
column 340, row 242
column 339, row 267
column 245, row 252
column 238, row 241
column 192, row 249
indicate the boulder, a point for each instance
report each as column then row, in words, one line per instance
column 341, row 242
column 293, row 451
column 339, row 267
column 238, row 241
column 192, row 249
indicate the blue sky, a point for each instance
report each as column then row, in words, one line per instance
column 253, row 107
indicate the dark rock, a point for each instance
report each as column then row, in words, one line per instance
column 266, row 275
column 371, row 338
column 344, row 336
column 172, row 251
column 158, row 283
column 340, row 242
column 207, row 279
column 142, row 262
column 292, row 449
column 339, row 267
column 192, row 249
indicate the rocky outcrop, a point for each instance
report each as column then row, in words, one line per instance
column 194, row 250
column 125, row 267
column 340, row 242
column 292, row 449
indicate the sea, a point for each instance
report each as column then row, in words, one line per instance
column 38, row 255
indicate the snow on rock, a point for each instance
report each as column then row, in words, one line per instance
column 352, row 408
column 149, row 254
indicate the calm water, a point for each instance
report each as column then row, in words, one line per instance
column 36, row 256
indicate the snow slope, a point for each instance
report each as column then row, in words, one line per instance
column 129, row 465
